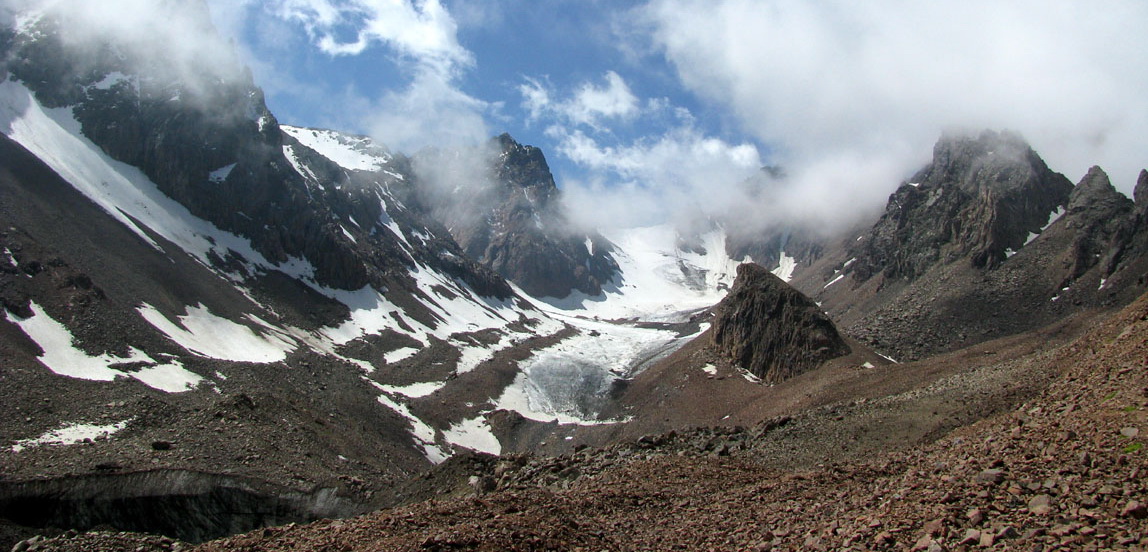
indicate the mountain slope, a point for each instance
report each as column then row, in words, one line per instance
column 171, row 251
column 982, row 243
column 501, row 204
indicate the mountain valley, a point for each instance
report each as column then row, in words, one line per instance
column 220, row 332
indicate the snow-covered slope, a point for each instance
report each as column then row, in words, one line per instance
column 354, row 153
column 661, row 279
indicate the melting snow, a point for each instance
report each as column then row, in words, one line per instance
column 474, row 434
column 354, row 153
column 834, row 281
column 65, row 359
column 555, row 381
column 71, row 434
column 710, row 369
column 206, row 334
column 221, row 174
column 423, row 433
column 399, row 355
column 414, row 390
column 785, row 267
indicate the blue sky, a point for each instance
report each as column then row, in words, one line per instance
column 647, row 109
column 568, row 76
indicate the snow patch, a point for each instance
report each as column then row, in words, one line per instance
column 710, row 369
column 785, row 267
column 63, row 358
column 1052, row 217
column 71, row 434
column 424, row 434
column 749, row 376
column 399, row 355
column 414, row 390
column 112, row 79
column 355, row 153
column 221, row 174
column 834, row 281
column 172, row 378
column 474, row 434
column 123, row 191
column 208, row 335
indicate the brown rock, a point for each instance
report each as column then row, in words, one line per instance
column 1040, row 505
column 992, row 476
column 972, row 536
column 1134, row 509
column 975, row 516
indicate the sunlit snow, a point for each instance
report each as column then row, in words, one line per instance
column 206, row 334
column 785, row 267
column 71, row 434
column 355, row 153
column 658, row 281
column 474, row 434
column 65, row 359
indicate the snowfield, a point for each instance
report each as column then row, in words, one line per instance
column 659, row 282
column 61, row 356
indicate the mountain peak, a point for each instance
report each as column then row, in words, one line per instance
column 1094, row 187
column 1140, row 194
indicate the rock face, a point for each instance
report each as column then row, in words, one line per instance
column 199, row 129
column 978, row 199
column 982, row 243
column 771, row 329
column 511, row 220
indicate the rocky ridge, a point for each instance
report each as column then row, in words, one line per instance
column 984, row 242
column 771, row 329
column 510, row 218
column 979, row 198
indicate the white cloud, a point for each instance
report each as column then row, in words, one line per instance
column 421, row 29
column 676, row 176
column 432, row 111
column 421, row 36
column 591, row 105
column 173, row 39
column 671, row 170
column 614, row 100
column 861, row 89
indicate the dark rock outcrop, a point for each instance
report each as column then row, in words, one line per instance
column 771, row 329
column 511, row 220
column 1096, row 213
column 979, row 198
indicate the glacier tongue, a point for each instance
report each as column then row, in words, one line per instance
column 660, row 281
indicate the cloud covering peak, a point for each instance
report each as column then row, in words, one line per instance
column 851, row 95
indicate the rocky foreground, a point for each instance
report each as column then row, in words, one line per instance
column 1065, row 470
